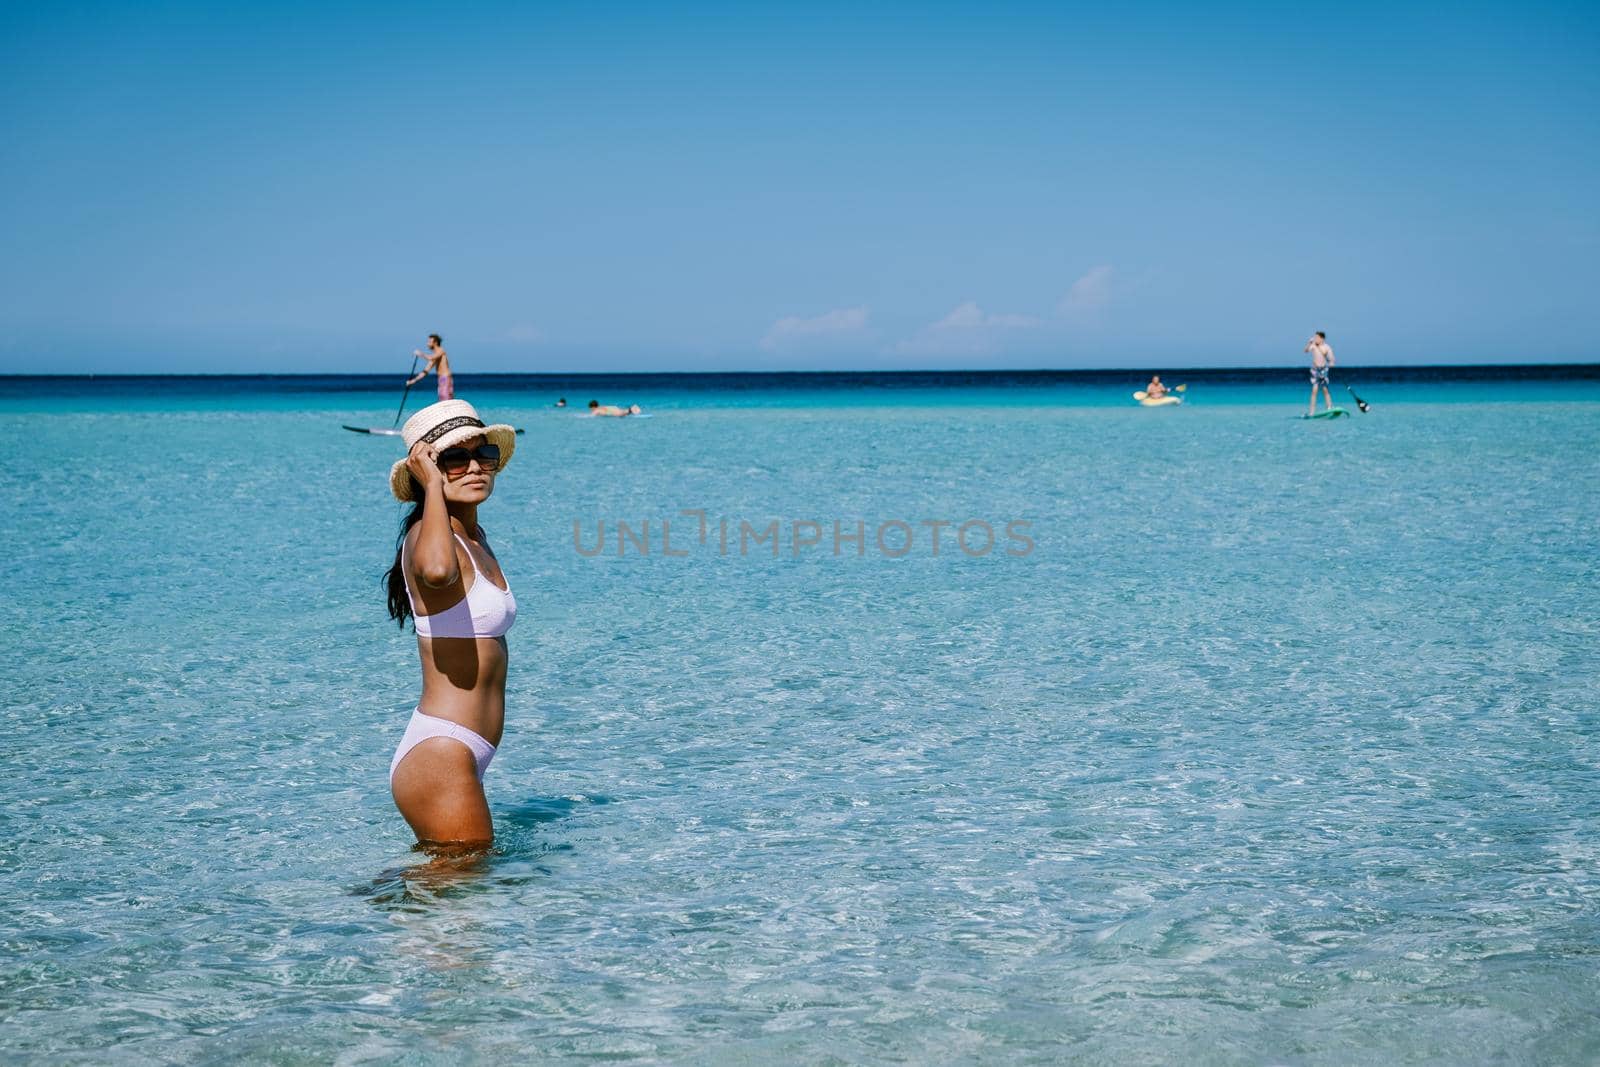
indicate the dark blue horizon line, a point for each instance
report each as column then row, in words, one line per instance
column 1375, row 372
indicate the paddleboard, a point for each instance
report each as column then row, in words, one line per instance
column 1156, row 402
column 1334, row 413
column 586, row 415
column 380, row 431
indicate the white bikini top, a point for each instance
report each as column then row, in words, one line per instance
column 486, row 610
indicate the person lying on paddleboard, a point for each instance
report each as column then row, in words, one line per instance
column 439, row 363
column 1321, row 363
column 1155, row 390
column 597, row 408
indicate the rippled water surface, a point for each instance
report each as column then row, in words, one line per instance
column 1280, row 745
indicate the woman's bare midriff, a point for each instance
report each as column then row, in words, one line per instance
column 464, row 680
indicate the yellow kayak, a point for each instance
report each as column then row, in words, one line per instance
column 1156, row 401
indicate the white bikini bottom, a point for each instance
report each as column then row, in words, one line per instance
column 421, row 727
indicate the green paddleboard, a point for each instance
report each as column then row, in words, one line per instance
column 1332, row 413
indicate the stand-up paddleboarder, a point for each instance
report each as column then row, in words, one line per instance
column 1321, row 363
column 439, row 363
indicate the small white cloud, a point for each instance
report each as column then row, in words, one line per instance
column 1091, row 291
column 829, row 323
column 525, row 333
column 968, row 329
column 968, row 316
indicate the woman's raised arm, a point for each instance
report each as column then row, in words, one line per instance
column 433, row 555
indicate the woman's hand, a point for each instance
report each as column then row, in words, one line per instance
column 423, row 463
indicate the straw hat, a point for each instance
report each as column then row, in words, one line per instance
column 442, row 425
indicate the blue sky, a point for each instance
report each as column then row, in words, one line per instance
column 553, row 187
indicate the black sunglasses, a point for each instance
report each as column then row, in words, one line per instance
column 456, row 460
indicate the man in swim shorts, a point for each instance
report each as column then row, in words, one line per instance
column 1155, row 390
column 1321, row 363
column 439, row 363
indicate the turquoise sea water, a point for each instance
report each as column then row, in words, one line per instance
column 1280, row 745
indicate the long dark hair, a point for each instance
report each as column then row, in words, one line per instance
column 395, row 579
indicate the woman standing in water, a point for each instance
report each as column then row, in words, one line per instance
column 447, row 580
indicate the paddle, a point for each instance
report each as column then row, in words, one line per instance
column 1362, row 404
column 414, row 357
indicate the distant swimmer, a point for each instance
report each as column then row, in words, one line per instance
column 1155, row 390
column 597, row 408
column 1321, row 363
column 561, row 403
column 439, row 363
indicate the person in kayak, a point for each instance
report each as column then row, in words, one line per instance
column 439, row 363
column 1321, row 363
column 1155, row 390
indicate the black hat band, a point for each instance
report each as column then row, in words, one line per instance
column 450, row 424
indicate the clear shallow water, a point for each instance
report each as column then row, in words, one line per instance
column 1280, row 746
